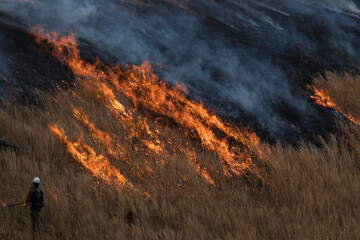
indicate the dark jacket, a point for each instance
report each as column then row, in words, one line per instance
column 36, row 198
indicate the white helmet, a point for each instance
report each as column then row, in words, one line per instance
column 36, row 180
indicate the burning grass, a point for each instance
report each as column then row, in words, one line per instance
column 104, row 158
column 143, row 87
column 340, row 91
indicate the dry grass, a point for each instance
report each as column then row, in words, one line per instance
column 344, row 89
column 313, row 194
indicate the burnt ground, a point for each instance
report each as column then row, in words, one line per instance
column 302, row 66
column 29, row 67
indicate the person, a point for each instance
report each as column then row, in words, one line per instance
column 36, row 198
column 130, row 217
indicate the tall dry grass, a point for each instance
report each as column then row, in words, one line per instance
column 313, row 193
column 344, row 88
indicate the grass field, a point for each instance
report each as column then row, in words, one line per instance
column 95, row 168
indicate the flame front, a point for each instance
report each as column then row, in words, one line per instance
column 97, row 165
column 320, row 97
column 99, row 136
column 144, row 88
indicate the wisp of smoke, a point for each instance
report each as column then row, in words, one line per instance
column 248, row 56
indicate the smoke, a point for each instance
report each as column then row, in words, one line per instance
column 5, row 64
column 235, row 56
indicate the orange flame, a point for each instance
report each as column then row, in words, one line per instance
column 201, row 171
column 352, row 145
column 143, row 87
column 2, row 203
column 320, row 97
column 53, row 194
column 95, row 164
column 103, row 137
column 127, row 119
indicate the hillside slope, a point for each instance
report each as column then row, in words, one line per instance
column 101, row 153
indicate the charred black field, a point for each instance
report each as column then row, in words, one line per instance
column 181, row 119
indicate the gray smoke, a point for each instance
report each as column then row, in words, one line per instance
column 5, row 63
column 236, row 56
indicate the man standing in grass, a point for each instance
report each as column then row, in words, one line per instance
column 35, row 197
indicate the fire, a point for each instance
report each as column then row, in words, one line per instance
column 352, row 145
column 134, row 128
column 127, row 118
column 99, row 136
column 2, row 203
column 144, row 88
column 53, row 194
column 156, row 148
column 111, row 144
column 201, row 171
column 97, row 165
column 320, row 97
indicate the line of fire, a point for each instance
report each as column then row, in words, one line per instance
column 238, row 148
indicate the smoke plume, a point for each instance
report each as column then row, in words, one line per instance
column 235, row 56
